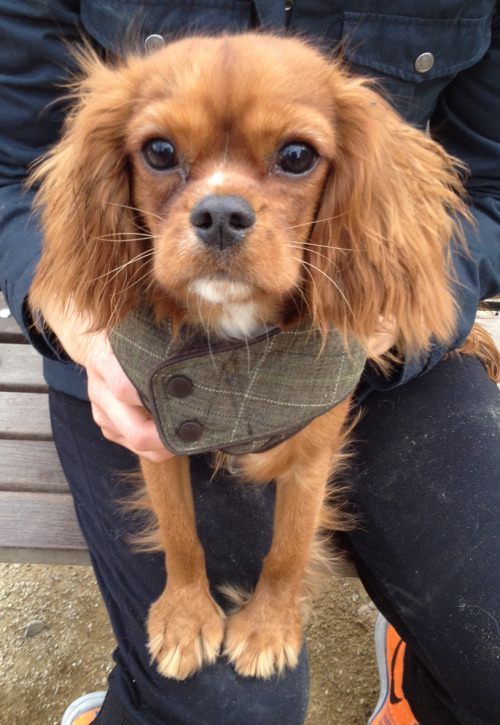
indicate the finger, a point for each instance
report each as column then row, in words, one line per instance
column 380, row 343
column 118, row 382
column 156, row 456
column 117, row 408
column 103, row 365
column 129, row 425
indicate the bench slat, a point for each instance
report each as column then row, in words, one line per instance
column 77, row 557
column 491, row 323
column 21, row 369
column 31, row 466
column 38, row 524
column 44, row 521
column 24, row 416
column 9, row 330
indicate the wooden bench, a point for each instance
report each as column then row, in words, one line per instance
column 37, row 518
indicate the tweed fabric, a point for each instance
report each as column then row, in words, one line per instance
column 236, row 396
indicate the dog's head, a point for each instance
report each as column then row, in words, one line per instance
column 243, row 181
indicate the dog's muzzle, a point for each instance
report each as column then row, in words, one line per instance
column 221, row 221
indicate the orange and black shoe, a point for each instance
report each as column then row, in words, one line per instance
column 392, row 707
column 84, row 710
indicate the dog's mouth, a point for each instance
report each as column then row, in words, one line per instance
column 229, row 306
column 220, row 289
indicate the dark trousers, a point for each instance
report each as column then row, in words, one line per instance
column 425, row 483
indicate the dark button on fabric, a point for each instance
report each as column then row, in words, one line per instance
column 424, row 63
column 190, row 431
column 180, row 386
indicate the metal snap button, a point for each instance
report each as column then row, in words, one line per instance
column 190, row 431
column 424, row 62
column 180, row 386
column 154, row 42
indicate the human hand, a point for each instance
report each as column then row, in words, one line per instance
column 384, row 337
column 116, row 406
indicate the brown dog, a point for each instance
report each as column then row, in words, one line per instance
column 240, row 183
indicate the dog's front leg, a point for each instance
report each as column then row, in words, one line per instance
column 265, row 635
column 185, row 624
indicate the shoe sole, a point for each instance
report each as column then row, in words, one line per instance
column 381, row 626
column 84, row 703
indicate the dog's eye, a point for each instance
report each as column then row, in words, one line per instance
column 159, row 154
column 296, row 158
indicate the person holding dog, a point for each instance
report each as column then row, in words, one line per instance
column 425, row 478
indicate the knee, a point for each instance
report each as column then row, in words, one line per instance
column 281, row 699
column 474, row 674
column 463, row 658
column 215, row 695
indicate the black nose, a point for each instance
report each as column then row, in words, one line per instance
column 221, row 221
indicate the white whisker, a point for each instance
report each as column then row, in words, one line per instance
column 317, row 254
column 206, row 327
column 133, row 208
column 313, row 266
column 130, row 237
column 116, row 270
column 303, row 295
column 136, row 282
column 326, row 246
column 317, row 221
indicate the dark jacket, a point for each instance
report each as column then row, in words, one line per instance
column 456, row 91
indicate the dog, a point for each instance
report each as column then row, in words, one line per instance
column 239, row 183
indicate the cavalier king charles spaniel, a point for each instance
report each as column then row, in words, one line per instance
column 242, row 183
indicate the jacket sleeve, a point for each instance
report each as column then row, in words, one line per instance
column 466, row 122
column 34, row 62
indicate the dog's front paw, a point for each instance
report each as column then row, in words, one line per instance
column 186, row 629
column 262, row 640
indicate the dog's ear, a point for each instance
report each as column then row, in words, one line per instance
column 90, row 229
column 380, row 246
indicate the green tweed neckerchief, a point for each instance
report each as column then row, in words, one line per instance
column 237, row 396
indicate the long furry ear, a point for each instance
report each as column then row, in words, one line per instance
column 92, row 242
column 381, row 243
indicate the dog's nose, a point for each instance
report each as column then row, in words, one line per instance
column 222, row 220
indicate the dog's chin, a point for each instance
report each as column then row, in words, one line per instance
column 229, row 307
column 217, row 291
